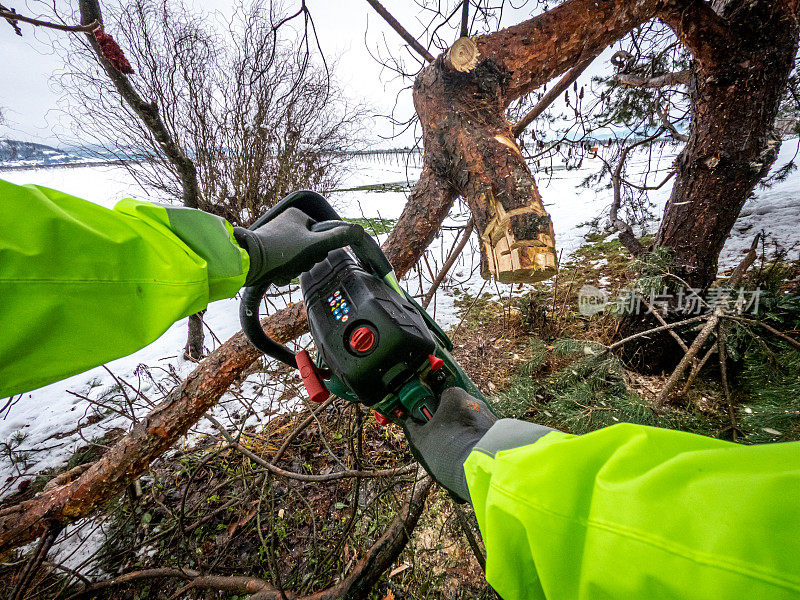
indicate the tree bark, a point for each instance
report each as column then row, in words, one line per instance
column 743, row 58
column 194, row 339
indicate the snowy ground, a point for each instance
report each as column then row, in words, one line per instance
column 44, row 427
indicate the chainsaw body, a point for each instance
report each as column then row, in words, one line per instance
column 375, row 344
column 380, row 347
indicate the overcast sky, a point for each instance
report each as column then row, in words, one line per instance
column 29, row 101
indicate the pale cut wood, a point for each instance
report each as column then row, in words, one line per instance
column 463, row 55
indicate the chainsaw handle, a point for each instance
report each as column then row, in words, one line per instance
column 366, row 249
column 317, row 208
column 248, row 317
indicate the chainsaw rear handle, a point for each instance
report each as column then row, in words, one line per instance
column 318, row 209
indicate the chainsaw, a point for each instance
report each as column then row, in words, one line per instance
column 375, row 345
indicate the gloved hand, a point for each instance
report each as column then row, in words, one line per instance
column 442, row 444
column 286, row 246
column 460, row 424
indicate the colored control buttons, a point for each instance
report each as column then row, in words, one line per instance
column 339, row 306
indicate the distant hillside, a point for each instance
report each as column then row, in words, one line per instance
column 15, row 153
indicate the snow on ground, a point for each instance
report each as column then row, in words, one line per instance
column 44, row 427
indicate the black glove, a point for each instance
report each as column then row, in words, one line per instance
column 442, row 444
column 286, row 246
column 460, row 424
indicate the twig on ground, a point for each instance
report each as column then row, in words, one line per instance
column 641, row 334
column 710, row 327
column 769, row 328
column 723, row 369
column 35, row 562
column 302, row 476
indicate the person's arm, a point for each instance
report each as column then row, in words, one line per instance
column 628, row 511
column 81, row 285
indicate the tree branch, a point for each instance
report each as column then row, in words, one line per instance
column 147, row 112
column 567, row 80
column 662, row 113
column 677, row 78
column 12, row 17
column 541, row 48
column 410, row 39
column 449, row 262
column 626, row 235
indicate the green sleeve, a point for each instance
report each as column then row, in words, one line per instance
column 639, row 512
column 81, row 285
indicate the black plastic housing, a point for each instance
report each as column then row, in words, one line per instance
column 403, row 340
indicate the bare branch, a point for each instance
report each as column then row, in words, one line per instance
column 13, row 16
column 567, row 80
column 664, row 116
column 626, row 235
column 410, row 39
column 449, row 262
column 404, row 470
column 677, row 78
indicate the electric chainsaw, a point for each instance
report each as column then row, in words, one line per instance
column 375, row 344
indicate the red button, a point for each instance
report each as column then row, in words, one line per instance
column 362, row 339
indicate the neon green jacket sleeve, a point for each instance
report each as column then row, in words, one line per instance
column 638, row 512
column 81, row 284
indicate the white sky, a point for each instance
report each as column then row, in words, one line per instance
column 30, row 104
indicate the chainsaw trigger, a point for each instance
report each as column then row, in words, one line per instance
column 311, row 380
column 382, row 420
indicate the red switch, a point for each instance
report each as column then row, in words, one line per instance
column 382, row 420
column 314, row 385
column 362, row 339
column 436, row 363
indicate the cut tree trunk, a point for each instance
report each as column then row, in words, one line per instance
column 462, row 98
column 194, row 340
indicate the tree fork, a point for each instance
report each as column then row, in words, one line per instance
column 462, row 98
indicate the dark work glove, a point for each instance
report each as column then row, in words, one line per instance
column 460, row 424
column 286, row 246
column 442, row 444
